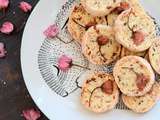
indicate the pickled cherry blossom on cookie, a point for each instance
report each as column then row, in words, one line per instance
column 7, row 27
column 31, row 114
column 4, row 4
column 138, row 37
column 2, row 50
column 64, row 63
column 25, row 7
column 52, row 31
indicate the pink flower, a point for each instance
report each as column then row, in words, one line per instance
column 2, row 50
column 4, row 4
column 64, row 63
column 51, row 31
column 25, row 7
column 31, row 114
column 7, row 27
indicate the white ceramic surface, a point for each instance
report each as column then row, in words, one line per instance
column 54, row 106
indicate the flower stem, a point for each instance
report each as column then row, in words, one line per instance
column 131, row 29
column 81, row 66
column 92, row 94
column 78, row 23
column 3, row 13
column 63, row 41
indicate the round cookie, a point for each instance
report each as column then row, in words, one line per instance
column 80, row 21
column 124, row 5
column 133, row 75
column 99, row 7
column 143, row 103
column 154, row 55
column 135, row 30
column 99, row 45
column 126, row 52
column 100, row 92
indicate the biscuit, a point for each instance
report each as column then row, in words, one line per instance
column 143, row 103
column 80, row 21
column 133, row 75
column 99, row 92
column 126, row 52
column 135, row 30
column 154, row 55
column 99, row 7
column 124, row 5
column 99, row 45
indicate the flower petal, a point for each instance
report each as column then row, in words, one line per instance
column 31, row 114
column 7, row 27
column 25, row 7
column 64, row 63
column 2, row 50
column 51, row 31
column 4, row 4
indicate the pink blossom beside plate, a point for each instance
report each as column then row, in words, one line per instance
column 25, row 7
column 7, row 27
column 31, row 114
column 4, row 4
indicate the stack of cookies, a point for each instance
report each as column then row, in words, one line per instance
column 118, row 31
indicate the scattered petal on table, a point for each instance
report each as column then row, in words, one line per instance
column 31, row 114
column 2, row 50
column 25, row 7
column 4, row 4
column 64, row 63
column 51, row 31
column 7, row 27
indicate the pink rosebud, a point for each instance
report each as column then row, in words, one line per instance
column 2, row 50
column 7, row 28
column 64, row 63
column 51, row 31
column 4, row 4
column 25, row 7
column 31, row 114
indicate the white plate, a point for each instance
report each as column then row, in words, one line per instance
column 53, row 105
